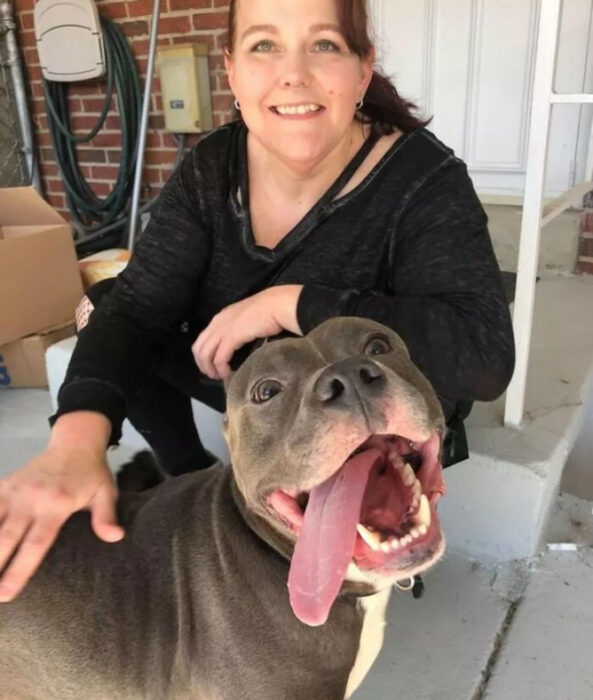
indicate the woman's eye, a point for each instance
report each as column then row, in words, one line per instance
column 263, row 47
column 266, row 390
column 377, row 346
column 325, row 45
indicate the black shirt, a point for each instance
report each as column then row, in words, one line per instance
column 408, row 247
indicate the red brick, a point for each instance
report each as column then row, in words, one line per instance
column 27, row 38
column 37, row 90
column 168, row 140
column 34, row 72
column 175, row 5
column 82, row 124
column 135, row 28
column 153, row 140
column 211, row 20
column 91, row 155
column 57, row 201
column 114, row 10
column 104, row 172
column 156, row 121
column 174, row 25
column 113, row 156
column 222, row 102
column 31, row 56
column 48, row 169
column 584, row 268
column 107, row 140
column 94, row 105
column 141, row 8
column 587, row 222
column 101, row 189
column 23, row 6
column 152, row 175
column 222, row 42
column 47, row 155
column 54, row 185
column 586, row 247
column 158, row 157
column 221, row 3
column 112, row 123
column 222, row 84
column 43, row 138
column 140, row 47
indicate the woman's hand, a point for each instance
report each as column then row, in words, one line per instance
column 37, row 499
column 264, row 314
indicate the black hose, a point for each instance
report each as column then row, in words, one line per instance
column 100, row 220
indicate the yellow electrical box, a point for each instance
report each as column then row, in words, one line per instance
column 185, row 87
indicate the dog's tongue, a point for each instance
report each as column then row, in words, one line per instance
column 325, row 544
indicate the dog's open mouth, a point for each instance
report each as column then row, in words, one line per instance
column 378, row 509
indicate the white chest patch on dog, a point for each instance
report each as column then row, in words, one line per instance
column 371, row 637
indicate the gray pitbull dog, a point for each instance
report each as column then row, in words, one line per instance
column 264, row 581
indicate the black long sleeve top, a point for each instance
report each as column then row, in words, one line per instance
column 408, row 247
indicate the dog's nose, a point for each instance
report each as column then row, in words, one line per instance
column 348, row 379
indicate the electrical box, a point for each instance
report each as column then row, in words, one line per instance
column 69, row 40
column 185, row 88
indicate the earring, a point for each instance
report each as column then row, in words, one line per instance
column 237, row 105
column 360, row 104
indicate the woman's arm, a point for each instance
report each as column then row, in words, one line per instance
column 120, row 345
column 445, row 296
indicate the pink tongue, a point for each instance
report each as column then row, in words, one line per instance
column 326, row 542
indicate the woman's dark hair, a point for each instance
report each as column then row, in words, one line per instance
column 383, row 106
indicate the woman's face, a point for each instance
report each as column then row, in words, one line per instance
column 294, row 76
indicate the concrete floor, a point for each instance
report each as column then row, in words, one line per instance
column 517, row 631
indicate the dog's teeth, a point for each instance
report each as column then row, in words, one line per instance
column 370, row 537
column 385, row 547
column 417, row 488
column 393, row 456
column 423, row 516
column 407, row 474
column 395, row 543
column 415, row 532
column 406, row 540
column 422, row 529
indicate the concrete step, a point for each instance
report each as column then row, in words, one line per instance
column 499, row 501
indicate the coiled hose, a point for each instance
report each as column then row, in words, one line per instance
column 98, row 221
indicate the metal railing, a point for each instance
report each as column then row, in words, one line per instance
column 17, row 163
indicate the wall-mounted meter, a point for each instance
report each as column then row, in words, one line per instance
column 185, row 87
column 69, row 40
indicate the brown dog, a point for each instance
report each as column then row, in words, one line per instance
column 334, row 442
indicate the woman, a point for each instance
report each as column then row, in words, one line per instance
column 327, row 198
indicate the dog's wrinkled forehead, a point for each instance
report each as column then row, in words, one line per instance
column 330, row 342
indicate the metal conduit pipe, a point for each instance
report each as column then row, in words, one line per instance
column 8, row 30
column 154, row 28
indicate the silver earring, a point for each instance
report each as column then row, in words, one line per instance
column 237, row 105
column 360, row 104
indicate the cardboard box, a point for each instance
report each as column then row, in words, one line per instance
column 22, row 362
column 40, row 283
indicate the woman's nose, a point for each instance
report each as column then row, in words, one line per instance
column 295, row 70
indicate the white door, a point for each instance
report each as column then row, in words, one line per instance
column 469, row 64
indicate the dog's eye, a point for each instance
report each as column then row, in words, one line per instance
column 377, row 346
column 265, row 390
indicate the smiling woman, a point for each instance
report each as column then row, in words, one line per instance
column 326, row 198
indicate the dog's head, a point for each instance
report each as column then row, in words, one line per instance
column 334, row 441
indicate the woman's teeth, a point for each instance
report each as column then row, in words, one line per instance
column 297, row 109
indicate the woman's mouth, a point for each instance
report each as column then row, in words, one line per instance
column 299, row 111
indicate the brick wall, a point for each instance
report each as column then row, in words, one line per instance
column 181, row 21
column 585, row 256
